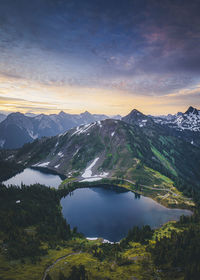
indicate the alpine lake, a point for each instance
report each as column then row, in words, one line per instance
column 106, row 212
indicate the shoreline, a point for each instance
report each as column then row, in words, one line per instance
column 146, row 191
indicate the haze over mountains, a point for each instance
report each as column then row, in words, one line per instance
column 94, row 146
column 146, row 152
column 114, row 148
column 17, row 129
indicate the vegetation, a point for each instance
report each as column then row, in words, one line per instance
column 9, row 169
column 28, row 217
column 34, row 235
column 35, row 238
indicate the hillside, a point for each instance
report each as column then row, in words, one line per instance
column 119, row 153
column 182, row 125
column 18, row 129
column 113, row 148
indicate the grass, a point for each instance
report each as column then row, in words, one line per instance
column 166, row 230
column 78, row 252
column 163, row 160
column 104, row 269
column 67, row 180
column 96, row 269
column 15, row 270
column 139, row 265
column 147, row 176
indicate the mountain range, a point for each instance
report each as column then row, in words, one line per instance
column 17, row 129
column 115, row 148
column 2, row 117
column 185, row 126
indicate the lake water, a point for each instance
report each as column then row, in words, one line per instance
column 103, row 212
column 31, row 176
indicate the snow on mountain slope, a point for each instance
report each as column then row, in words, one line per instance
column 190, row 120
column 18, row 129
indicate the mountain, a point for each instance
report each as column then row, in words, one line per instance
column 183, row 125
column 114, row 148
column 2, row 117
column 15, row 130
column 190, row 120
column 116, row 117
column 30, row 115
column 139, row 119
column 18, row 129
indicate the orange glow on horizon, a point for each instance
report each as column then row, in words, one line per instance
column 26, row 96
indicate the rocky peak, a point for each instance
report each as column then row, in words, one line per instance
column 137, row 113
column 62, row 114
column 86, row 114
column 135, row 117
column 192, row 110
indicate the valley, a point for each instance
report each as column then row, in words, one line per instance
column 143, row 160
column 75, row 255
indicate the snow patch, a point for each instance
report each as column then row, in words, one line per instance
column 44, row 164
column 56, row 166
column 83, row 129
column 104, row 174
column 2, row 142
column 91, row 238
column 104, row 240
column 112, row 134
column 60, row 154
column 56, row 144
column 107, row 241
column 31, row 134
column 76, row 152
column 88, row 172
column 12, row 156
column 99, row 123
column 91, row 179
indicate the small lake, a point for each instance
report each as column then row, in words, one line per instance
column 103, row 212
column 31, row 176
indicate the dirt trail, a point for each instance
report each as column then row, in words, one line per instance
column 56, row 261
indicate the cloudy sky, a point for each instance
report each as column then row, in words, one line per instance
column 104, row 56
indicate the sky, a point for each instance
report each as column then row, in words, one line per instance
column 103, row 56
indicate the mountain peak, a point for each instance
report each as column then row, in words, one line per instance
column 62, row 113
column 135, row 117
column 135, row 111
column 86, row 114
column 16, row 115
column 192, row 110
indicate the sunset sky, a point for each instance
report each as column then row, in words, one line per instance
column 104, row 56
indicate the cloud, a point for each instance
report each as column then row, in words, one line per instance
column 143, row 48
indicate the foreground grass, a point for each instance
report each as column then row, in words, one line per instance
column 96, row 269
column 136, row 260
column 136, row 264
column 16, row 270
